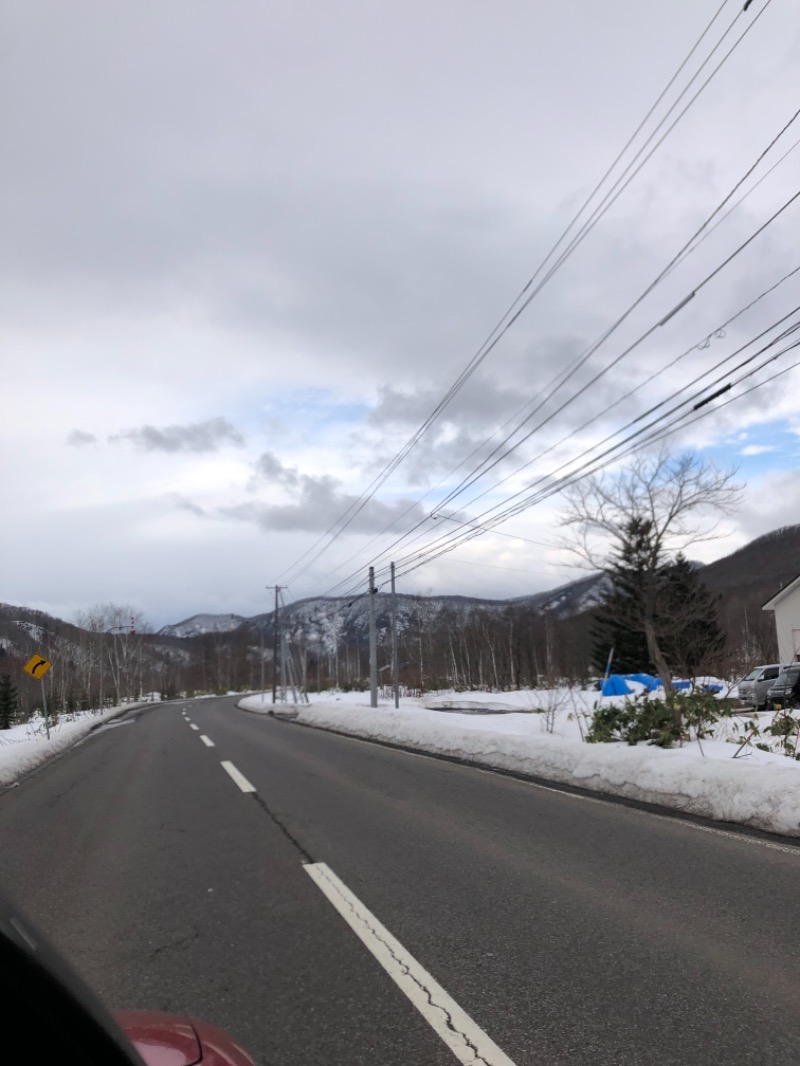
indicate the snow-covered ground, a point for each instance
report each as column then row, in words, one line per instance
column 541, row 735
column 24, row 747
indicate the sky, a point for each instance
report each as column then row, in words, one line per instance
column 248, row 248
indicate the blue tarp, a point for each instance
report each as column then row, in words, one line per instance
column 655, row 682
column 614, row 685
column 647, row 680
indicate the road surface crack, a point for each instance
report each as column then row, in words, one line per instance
column 406, row 971
column 286, row 832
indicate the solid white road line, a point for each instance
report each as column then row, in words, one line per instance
column 208, row 743
column 240, row 779
column 193, row 726
column 466, row 1040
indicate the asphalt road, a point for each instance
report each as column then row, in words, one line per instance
column 572, row 932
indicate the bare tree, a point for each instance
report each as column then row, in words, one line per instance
column 668, row 502
column 117, row 635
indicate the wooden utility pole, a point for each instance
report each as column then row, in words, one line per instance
column 395, row 665
column 275, row 641
column 261, row 632
column 373, row 643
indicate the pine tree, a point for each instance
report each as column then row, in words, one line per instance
column 685, row 615
column 9, row 702
column 688, row 624
column 618, row 619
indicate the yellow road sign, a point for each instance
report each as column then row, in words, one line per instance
column 37, row 666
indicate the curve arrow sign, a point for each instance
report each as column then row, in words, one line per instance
column 37, row 666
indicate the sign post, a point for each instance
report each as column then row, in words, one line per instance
column 37, row 666
column 44, row 705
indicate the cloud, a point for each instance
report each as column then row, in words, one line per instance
column 319, row 504
column 302, row 278
column 197, row 437
column 773, row 502
column 182, row 503
column 270, row 468
column 78, row 437
column 757, row 449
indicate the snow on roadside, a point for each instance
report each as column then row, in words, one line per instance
column 24, row 747
column 761, row 790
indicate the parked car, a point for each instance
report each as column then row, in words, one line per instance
column 785, row 692
column 753, row 688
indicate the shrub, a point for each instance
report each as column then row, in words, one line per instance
column 654, row 720
column 632, row 721
column 702, row 711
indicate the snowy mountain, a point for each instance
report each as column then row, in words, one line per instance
column 570, row 599
column 743, row 580
column 319, row 620
column 199, row 624
column 325, row 622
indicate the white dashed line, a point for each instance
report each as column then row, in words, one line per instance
column 239, row 778
column 208, row 743
column 193, row 726
column 466, row 1040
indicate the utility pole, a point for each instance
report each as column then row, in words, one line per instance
column 275, row 642
column 373, row 644
column 44, row 710
column 261, row 631
column 395, row 665
column 284, row 657
column 287, row 670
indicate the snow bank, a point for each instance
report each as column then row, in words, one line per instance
column 763, row 794
column 24, row 747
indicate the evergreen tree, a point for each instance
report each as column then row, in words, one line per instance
column 685, row 615
column 618, row 619
column 688, row 624
column 9, row 702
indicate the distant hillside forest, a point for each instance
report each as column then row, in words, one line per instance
column 108, row 655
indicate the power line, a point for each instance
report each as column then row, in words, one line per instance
column 698, row 287
column 613, row 194
column 720, row 328
column 741, row 200
column 335, row 530
column 587, row 469
column 632, row 392
column 493, row 459
column 607, row 456
column 486, row 466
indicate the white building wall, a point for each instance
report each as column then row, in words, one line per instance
column 787, row 623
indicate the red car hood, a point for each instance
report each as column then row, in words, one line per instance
column 175, row 1040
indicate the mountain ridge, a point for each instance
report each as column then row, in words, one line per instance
column 742, row 580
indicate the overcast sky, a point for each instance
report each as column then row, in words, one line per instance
column 247, row 247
